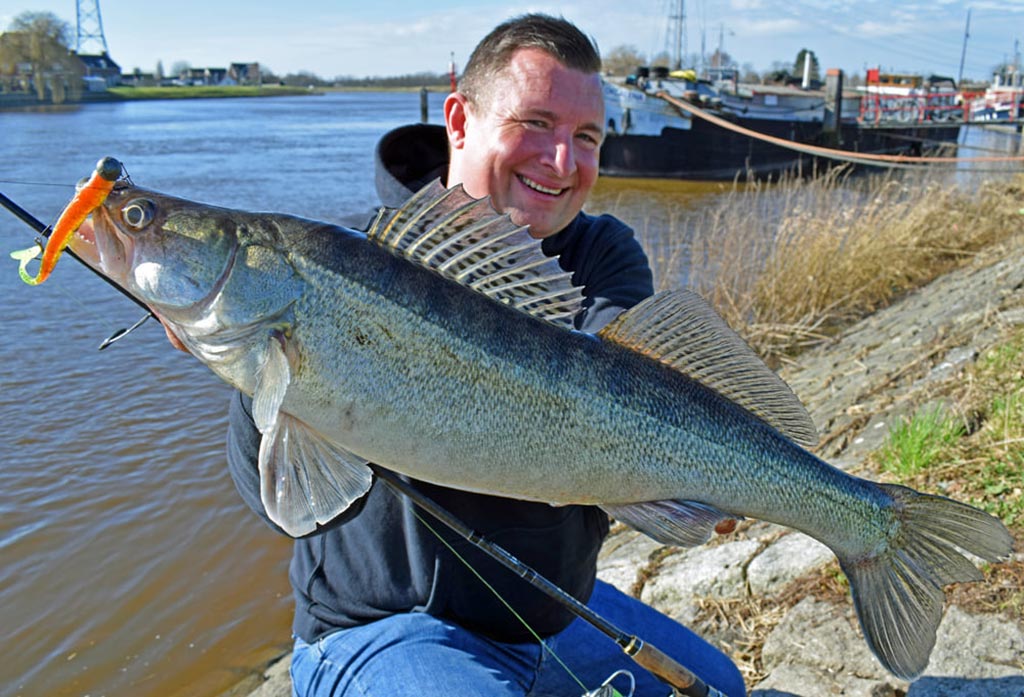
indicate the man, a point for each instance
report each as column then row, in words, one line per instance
column 386, row 605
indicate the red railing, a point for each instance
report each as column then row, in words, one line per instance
column 944, row 106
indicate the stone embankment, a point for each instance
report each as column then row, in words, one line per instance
column 770, row 596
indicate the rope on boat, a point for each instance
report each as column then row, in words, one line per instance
column 905, row 161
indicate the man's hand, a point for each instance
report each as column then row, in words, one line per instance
column 175, row 341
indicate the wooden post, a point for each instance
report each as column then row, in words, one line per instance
column 423, row 105
column 833, row 106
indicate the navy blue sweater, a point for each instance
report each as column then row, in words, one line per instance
column 377, row 559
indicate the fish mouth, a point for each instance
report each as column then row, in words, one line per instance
column 98, row 243
column 101, row 244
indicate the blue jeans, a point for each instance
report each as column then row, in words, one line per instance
column 416, row 654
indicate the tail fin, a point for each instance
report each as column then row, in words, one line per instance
column 898, row 592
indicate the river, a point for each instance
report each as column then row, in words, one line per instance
column 128, row 564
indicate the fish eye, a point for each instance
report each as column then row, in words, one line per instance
column 138, row 213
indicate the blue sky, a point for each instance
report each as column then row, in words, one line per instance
column 404, row 36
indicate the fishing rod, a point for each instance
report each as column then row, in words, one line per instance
column 681, row 679
column 45, row 231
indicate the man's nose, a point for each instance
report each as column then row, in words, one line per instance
column 562, row 156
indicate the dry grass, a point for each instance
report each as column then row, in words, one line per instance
column 740, row 626
column 787, row 264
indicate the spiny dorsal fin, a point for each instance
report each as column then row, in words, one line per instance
column 466, row 240
column 678, row 328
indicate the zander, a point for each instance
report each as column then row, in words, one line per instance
column 440, row 345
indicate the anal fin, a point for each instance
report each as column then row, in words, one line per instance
column 671, row 522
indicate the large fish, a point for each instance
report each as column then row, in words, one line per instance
column 439, row 345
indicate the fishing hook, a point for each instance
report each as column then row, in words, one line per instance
column 45, row 231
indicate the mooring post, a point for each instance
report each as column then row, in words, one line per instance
column 423, row 105
column 833, row 106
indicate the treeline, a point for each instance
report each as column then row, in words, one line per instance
column 308, row 79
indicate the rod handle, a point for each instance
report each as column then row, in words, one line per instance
column 666, row 668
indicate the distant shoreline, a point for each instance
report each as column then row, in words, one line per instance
column 124, row 94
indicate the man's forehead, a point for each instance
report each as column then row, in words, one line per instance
column 537, row 68
column 537, row 82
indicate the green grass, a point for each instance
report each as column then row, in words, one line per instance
column 983, row 464
column 916, row 443
column 997, row 448
column 206, row 91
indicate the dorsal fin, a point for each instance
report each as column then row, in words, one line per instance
column 678, row 328
column 466, row 240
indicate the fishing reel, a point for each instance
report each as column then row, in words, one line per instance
column 608, row 690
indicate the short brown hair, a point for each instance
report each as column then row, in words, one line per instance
column 556, row 36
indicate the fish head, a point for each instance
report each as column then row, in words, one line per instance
column 219, row 279
column 170, row 253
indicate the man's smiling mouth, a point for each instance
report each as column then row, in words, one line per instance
column 537, row 187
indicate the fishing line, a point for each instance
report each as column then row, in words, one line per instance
column 44, row 231
column 27, row 183
column 493, row 590
column 606, row 689
column 682, row 680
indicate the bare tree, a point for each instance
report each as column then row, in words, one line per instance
column 178, row 68
column 662, row 59
column 749, row 74
column 622, row 60
column 42, row 41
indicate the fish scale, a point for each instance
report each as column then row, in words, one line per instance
column 375, row 347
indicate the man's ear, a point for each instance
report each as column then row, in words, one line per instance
column 456, row 107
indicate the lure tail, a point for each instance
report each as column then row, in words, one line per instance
column 88, row 198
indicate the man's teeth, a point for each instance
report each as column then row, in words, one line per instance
column 537, row 187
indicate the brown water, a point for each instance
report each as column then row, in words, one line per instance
column 128, row 564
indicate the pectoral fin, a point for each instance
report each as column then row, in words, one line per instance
column 305, row 479
column 683, row 523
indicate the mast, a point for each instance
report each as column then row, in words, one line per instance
column 678, row 24
column 963, row 51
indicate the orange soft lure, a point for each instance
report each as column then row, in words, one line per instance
column 88, row 198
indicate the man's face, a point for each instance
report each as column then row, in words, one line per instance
column 533, row 144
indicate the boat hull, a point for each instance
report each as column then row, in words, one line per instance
column 705, row 151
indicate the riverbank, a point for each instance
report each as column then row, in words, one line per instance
column 773, row 598
column 209, row 92
column 124, row 94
